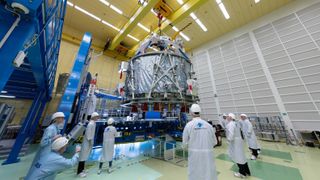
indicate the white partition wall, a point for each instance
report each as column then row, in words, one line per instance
column 205, row 88
column 269, row 69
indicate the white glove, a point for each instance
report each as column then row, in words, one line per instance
column 56, row 137
column 78, row 148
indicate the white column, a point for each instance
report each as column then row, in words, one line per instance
column 216, row 98
column 272, row 85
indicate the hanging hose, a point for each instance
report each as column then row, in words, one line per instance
column 160, row 17
column 14, row 25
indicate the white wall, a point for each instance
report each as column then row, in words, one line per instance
column 268, row 67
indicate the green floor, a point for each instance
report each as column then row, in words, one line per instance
column 277, row 161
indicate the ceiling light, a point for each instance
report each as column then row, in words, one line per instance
column 154, row 12
column 256, row 1
column 144, row 4
column 175, row 28
column 110, row 25
column 70, row 4
column 111, row 6
column 143, row 27
column 224, row 11
column 116, row 9
column 180, row 2
column 4, row 92
column 184, row 36
column 5, row 96
column 193, row 16
column 154, row 49
column 130, row 36
column 105, row 2
column 203, row 27
column 98, row 19
column 87, row 13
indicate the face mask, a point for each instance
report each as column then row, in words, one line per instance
column 61, row 125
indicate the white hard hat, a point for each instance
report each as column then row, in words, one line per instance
column 232, row 115
column 243, row 115
column 195, row 108
column 57, row 115
column 94, row 114
column 59, row 143
column 224, row 114
column 110, row 121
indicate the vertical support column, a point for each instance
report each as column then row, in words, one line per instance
column 35, row 124
column 29, row 124
column 197, row 67
column 216, row 98
column 272, row 85
column 229, row 83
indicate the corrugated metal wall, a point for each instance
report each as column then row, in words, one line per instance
column 272, row 70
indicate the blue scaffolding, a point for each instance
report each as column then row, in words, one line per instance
column 75, row 92
column 30, row 28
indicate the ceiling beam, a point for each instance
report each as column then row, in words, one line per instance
column 109, row 53
column 183, row 12
column 133, row 21
column 174, row 18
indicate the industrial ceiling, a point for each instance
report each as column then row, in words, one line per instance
column 129, row 21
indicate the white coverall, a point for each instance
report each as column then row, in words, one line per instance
column 223, row 123
column 200, row 138
column 109, row 136
column 235, row 149
column 47, row 167
column 45, row 144
column 92, row 103
column 88, row 141
column 249, row 134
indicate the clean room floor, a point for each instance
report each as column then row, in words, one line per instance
column 277, row 161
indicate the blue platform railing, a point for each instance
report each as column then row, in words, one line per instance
column 36, row 31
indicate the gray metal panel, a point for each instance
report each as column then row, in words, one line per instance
column 149, row 67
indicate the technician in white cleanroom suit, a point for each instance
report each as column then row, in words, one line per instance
column 223, row 121
column 87, row 143
column 199, row 137
column 50, row 134
column 91, row 104
column 250, row 136
column 235, row 150
column 109, row 136
column 47, row 167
